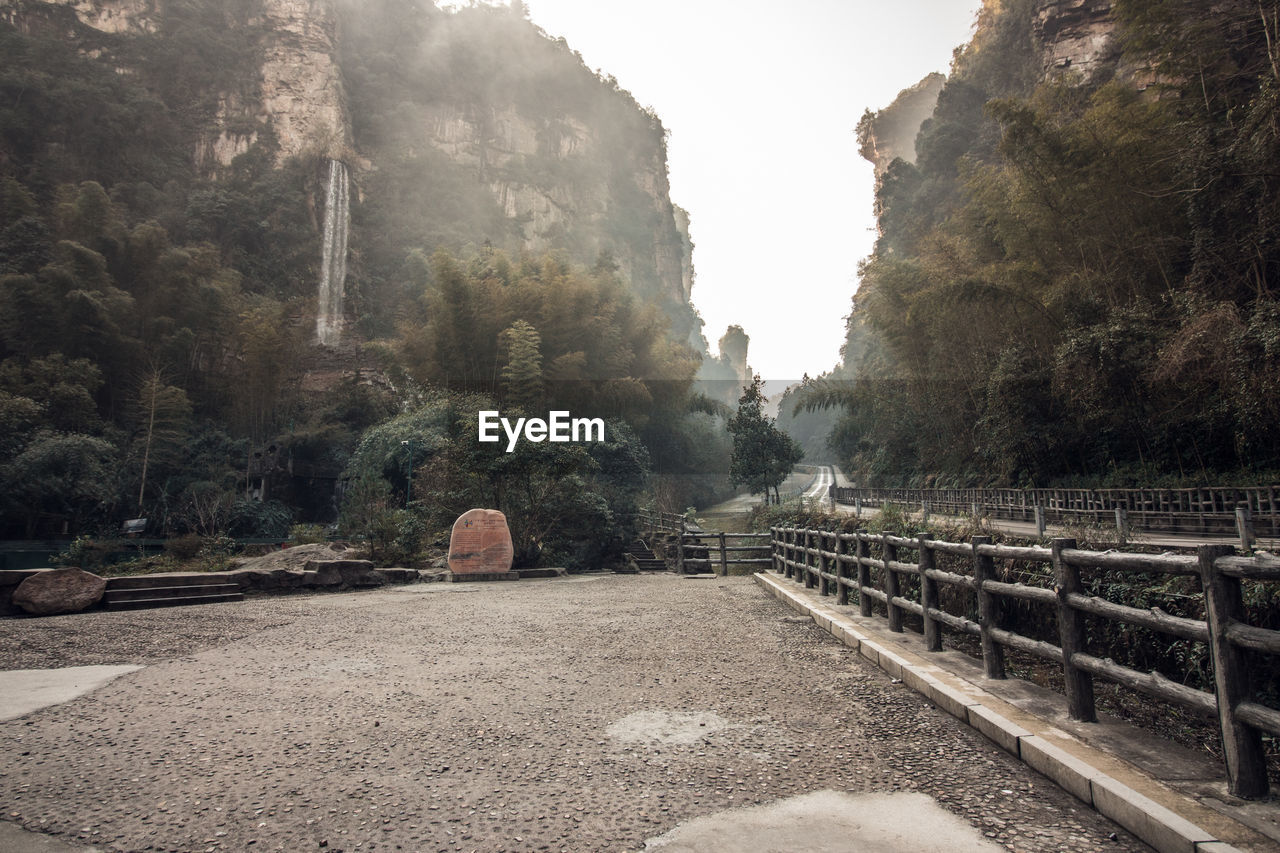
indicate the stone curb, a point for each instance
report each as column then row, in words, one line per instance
column 1161, row 827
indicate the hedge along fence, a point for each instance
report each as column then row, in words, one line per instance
column 844, row 563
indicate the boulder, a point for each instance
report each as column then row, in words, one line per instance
column 59, row 591
column 345, row 573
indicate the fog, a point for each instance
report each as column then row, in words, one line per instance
column 761, row 101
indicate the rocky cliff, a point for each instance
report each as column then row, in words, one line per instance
column 1071, row 37
column 459, row 128
column 297, row 89
column 1075, row 36
column 890, row 133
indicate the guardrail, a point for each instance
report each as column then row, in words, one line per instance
column 720, row 546
column 657, row 521
column 1247, row 512
column 823, row 559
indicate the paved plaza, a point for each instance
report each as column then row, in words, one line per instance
column 599, row 712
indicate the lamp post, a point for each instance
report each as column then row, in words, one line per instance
column 408, row 477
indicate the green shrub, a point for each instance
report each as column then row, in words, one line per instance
column 184, row 547
column 307, row 534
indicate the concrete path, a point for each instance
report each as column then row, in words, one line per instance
column 815, row 488
column 579, row 714
column 25, row 690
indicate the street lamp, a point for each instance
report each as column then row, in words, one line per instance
column 408, row 476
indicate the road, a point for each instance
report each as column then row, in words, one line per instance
column 606, row 712
column 821, row 484
column 799, row 479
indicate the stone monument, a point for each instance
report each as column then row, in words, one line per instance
column 480, row 546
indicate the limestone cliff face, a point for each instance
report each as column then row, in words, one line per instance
column 1076, row 36
column 562, row 179
column 497, row 141
column 298, row 90
column 107, row 16
column 296, row 87
column 891, row 133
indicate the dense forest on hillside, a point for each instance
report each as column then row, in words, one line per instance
column 156, row 316
column 1077, row 281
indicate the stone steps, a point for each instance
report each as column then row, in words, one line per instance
column 645, row 559
column 137, row 593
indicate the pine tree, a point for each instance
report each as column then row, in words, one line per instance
column 763, row 455
column 522, row 374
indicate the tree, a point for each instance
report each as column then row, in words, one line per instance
column 763, row 455
column 163, row 415
column 522, row 374
column 66, row 476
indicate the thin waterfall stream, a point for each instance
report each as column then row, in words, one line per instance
column 333, row 265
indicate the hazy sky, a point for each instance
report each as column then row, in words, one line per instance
column 761, row 100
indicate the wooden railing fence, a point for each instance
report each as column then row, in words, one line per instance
column 1247, row 512
column 868, row 568
column 719, row 547
column 657, row 521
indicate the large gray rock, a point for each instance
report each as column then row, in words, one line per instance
column 59, row 591
column 345, row 573
column 273, row 579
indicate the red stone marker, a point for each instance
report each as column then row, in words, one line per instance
column 480, row 543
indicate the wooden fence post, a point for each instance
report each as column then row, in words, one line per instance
column 680, row 548
column 889, row 582
column 928, row 596
column 808, row 575
column 1122, row 525
column 773, row 549
column 1040, row 525
column 1244, row 527
column 924, row 514
column 864, row 573
column 724, row 560
column 1241, row 743
column 857, row 507
column 842, row 570
column 792, row 571
column 784, row 551
column 984, row 569
column 824, row 586
column 1071, row 633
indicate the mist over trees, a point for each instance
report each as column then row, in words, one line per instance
column 155, row 311
column 1076, row 281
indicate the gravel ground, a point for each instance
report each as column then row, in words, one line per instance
column 584, row 713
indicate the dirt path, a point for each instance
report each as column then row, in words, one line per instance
column 584, row 713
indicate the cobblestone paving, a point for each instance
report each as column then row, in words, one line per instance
column 580, row 714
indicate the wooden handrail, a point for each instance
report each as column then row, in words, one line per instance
column 823, row 560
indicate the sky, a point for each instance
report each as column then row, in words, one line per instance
column 761, row 100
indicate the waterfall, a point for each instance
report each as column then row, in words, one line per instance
column 333, row 266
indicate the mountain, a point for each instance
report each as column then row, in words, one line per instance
column 236, row 234
column 457, row 128
column 1076, row 273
